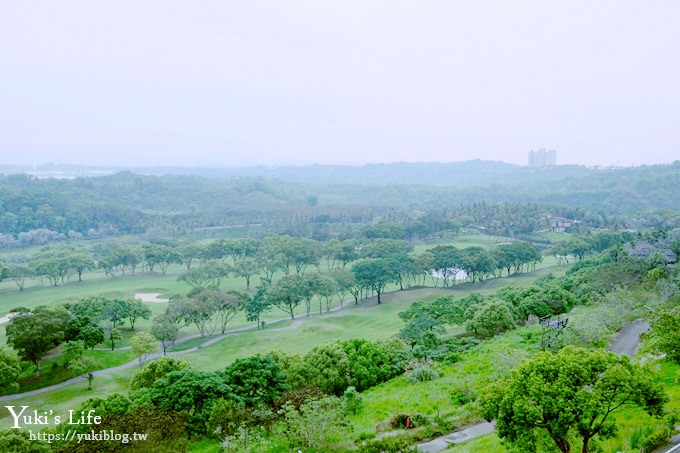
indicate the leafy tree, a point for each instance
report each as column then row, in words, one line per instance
column 442, row 308
column 287, row 293
column 257, row 304
column 344, row 280
column 375, row 274
column 422, row 330
column 19, row 274
column 137, row 310
column 388, row 230
column 115, row 312
column 317, row 423
column 370, row 363
column 665, row 327
column 347, row 252
column 190, row 252
column 331, row 368
column 10, row 369
column 229, row 304
column 72, row 352
column 113, row 405
column 491, row 319
column 383, row 248
column 210, row 275
column 572, row 391
column 326, row 289
column 256, row 379
column 165, row 329
column 675, row 248
column 199, row 309
column 161, row 256
column 83, row 328
column 246, row 268
column 312, row 284
column 555, row 298
column 191, row 392
column 143, row 344
column 52, row 265
column 91, row 307
column 85, row 366
column 33, row 334
column 290, row 253
column 477, row 262
column 446, row 262
column 156, row 369
column 580, row 246
column 354, row 403
column 114, row 335
column 80, row 262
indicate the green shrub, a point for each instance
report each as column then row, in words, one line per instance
column 656, row 439
column 463, row 395
column 639, row 435
column 366, row 436
column 401, row 421
column 354, row 403
column 393, row 444
column 420, row 420
column 420, row 371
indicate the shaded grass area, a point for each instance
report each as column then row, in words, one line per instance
column 477, row 368
column 72, row 396
column 52, row 371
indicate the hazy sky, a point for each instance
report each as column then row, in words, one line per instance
column 267, row 82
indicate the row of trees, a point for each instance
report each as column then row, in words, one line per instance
column 389, row 259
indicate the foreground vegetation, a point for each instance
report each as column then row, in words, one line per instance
column 374, row 338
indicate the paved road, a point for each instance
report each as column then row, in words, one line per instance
column 674, row 446
column 457, row 437
column 627, row 341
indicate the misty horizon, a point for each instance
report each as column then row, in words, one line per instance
column 280, row 84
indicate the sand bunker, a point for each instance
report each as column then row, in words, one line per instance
column 151, row 297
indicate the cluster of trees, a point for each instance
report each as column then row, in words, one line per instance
column 580, row 246
column 483, row 317
column 590, row 280
column 297, row 401
column 90, row 321
column 127, row 203
column 569, row 396
column 51, row 265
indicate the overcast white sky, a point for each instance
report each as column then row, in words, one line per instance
column 293, row 82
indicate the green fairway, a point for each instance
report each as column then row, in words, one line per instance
column 367, row 320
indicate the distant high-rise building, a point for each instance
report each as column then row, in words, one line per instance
column 542, row 158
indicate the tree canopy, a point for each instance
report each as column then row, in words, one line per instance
column 574, row 391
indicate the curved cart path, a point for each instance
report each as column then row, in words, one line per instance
column 210, row 341
column 627, row 340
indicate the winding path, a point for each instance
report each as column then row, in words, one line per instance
column 210, row 341
column 627, row 341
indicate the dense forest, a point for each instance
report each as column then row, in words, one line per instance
column 129, row 203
